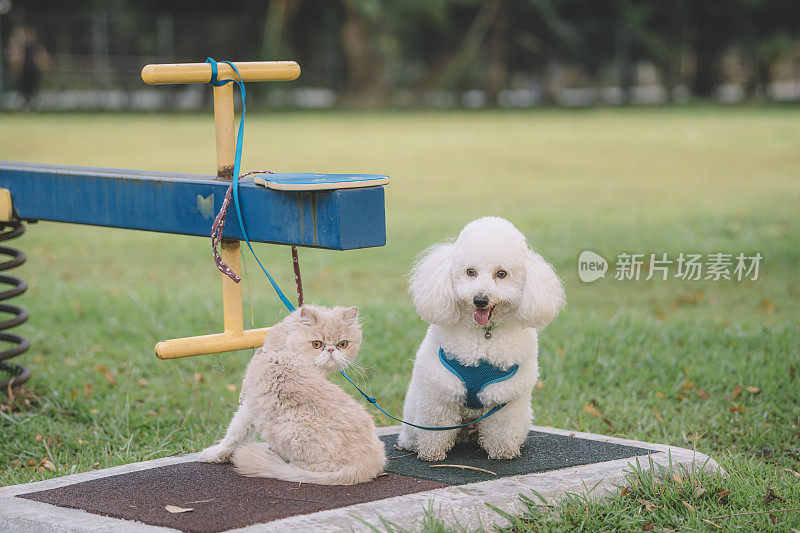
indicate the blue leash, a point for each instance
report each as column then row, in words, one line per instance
column 236, row 165
column 372, row 400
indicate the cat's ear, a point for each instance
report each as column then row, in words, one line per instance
column 350, row 313
column 309, row 315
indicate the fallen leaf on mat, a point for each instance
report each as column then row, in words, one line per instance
column 175, row 509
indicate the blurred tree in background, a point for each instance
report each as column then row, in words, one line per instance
column 371, row 53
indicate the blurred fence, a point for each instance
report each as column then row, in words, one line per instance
column 409, row 53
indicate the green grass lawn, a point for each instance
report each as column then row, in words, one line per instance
column 711, row 365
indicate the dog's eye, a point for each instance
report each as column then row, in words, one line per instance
column 501, row 273
column 316, row 344
column 471, row 272
column 342, row 345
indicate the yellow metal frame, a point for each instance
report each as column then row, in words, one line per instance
column 6, row 209
column 234, row 336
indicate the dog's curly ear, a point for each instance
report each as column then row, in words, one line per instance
column 543, row 294
column 431, row 285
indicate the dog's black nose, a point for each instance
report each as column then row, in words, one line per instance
column 480, row 301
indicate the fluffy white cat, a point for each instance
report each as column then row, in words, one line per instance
column 314, row 431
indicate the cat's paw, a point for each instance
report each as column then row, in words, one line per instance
column 216, row 454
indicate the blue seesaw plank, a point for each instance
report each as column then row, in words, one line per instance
column 341, row 219
column 318, row 182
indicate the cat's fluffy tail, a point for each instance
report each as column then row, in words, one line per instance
column 256, row 460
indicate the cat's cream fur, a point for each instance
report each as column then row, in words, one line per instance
column 314, row 431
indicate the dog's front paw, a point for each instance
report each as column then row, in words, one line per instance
column 502, row 450
column 505, row 454
column 430, row 455
column 216, row 454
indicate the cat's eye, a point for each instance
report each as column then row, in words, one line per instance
column 316, row 344
column 471, row 272
column 501, row 273
column 342, row 344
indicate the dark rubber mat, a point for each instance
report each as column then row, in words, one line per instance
column 542, row 452
column 221, row 498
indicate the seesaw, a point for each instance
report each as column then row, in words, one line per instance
column 332, row 211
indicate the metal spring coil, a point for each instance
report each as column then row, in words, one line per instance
column 18, row 373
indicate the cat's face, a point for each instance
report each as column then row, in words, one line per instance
column 328, row 338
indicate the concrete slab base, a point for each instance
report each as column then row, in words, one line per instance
column 464, row 504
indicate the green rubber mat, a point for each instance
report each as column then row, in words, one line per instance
column 542, row 452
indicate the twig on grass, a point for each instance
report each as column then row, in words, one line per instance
column 47, row 449
column 756, row 512
column 465, row 467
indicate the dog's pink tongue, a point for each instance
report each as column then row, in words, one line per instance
column 482, row 316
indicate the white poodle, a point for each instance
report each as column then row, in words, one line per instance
column 485, row 297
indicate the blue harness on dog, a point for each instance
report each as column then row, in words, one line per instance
column 475, row 378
